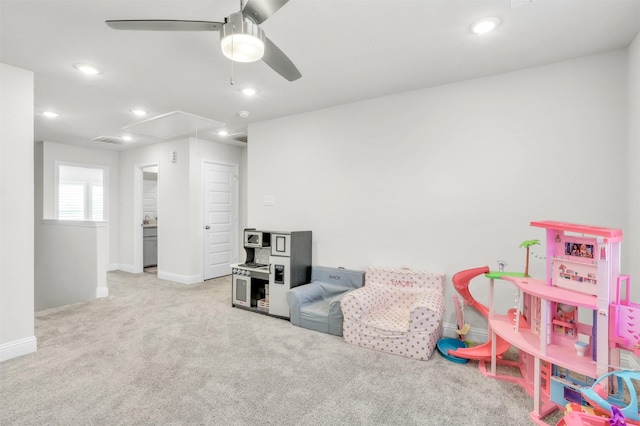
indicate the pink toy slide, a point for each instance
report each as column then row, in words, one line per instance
column 481, row 352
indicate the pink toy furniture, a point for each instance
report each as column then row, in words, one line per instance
column 571, row 325
column 398, row 311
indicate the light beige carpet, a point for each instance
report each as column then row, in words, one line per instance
column 156, row 352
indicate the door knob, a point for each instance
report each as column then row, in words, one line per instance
column 207, row 227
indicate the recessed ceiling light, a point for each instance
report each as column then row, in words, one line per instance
column 50, row 114
column 88, row 69
column 139, row 112
column 249, row 91
column 223, row 133
column 127, row 138
column 243, row 114
column 485, row 25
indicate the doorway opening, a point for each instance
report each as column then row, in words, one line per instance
column 146, row 214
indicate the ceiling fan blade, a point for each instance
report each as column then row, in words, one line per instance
column 259, row 10
column 276, row 59
column 164, row 25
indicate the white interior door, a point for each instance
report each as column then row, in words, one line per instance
column 220, row 219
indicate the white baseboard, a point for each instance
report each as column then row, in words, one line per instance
column 102, row 292
column 126, row 268
column 18, row 348
column 475, row 335
column 179, row 278
column 167, row 276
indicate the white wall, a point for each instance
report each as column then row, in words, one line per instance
column 52, row 152
column 632, row 234
column 179, row 204
column 16, row 213
column 172, row 204
column 449, row 178
column 70, row 262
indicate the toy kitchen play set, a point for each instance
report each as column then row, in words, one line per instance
column 275, row 263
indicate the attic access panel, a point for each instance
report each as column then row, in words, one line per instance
column 173, row 124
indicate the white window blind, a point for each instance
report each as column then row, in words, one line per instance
column 71, row 201
column 81, row 193
column 97, row 203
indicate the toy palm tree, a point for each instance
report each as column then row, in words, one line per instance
column 526, row 244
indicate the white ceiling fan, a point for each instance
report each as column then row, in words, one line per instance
column 241, row 38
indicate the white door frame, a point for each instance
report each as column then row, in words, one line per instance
column 236, row 209
column 138, row 214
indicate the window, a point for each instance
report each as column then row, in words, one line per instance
column 80, row 192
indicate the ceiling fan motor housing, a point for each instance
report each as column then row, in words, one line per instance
column 241, row 39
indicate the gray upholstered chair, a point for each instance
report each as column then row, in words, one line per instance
column 316, row 305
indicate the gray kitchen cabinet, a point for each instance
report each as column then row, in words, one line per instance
column 150, row 246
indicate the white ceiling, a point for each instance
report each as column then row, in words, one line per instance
column 346, row 51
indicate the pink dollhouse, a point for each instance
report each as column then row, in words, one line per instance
column 570, row 327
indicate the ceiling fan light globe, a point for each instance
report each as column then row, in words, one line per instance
column 241, row 39
column 242, row 47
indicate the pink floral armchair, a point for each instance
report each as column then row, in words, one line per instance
column 398, row 311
